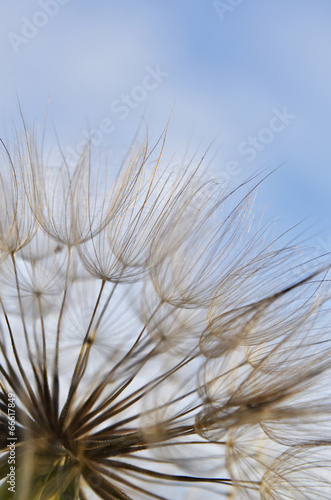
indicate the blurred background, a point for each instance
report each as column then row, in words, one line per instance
column 251, row 77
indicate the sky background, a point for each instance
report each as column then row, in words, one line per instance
column 235, row 71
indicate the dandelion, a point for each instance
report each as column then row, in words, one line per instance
column 155, row 341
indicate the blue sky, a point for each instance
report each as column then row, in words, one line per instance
column 253, row 74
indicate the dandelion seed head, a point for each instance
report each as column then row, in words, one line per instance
column 156, row 340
